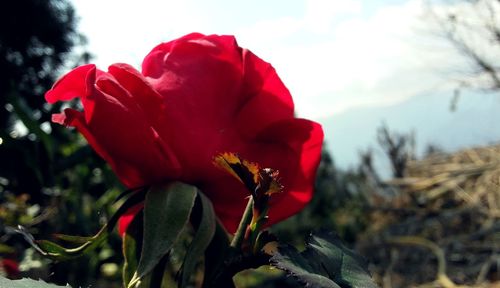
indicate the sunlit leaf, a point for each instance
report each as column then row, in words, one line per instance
column 26, row 283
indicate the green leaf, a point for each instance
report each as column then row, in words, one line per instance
column 129, row 253
column 201, row 240
column 26, row 283
column 25, row 114
column 58, row 252
column 86, row 244
column 325, row 263
column 130, row 244
column 73, row 239
column 6, row 249
column 166, row 213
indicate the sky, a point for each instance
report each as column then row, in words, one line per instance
column 333, row 55
column 349, row 64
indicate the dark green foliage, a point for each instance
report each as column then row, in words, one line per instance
column 36, row 40
column 50, row 180
column 325, row 263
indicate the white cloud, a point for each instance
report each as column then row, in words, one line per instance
column 321, row 14
column 333, row 55
column 126, row 30
column 377, row 58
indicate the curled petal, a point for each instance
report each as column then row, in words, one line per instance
column 268, row 99
column 152, row 104
column 117, row 129
column 71, row 85
column 126, row 171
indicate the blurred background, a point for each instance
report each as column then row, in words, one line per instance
column 407, row 92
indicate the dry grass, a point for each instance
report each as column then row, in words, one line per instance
column 440, row 227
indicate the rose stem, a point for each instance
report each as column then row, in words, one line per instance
column 242, row 228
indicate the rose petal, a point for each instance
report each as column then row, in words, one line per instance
column 71, row 85
column 200, row 78
column 129, row 175
column 200, row 81
column 117, row 129
column 269, row 99
column 11, row 267
column 152, row 65
column 293, row 147
column 305, row 139
column 149, row 101
column 133, row 140
column 198, row 96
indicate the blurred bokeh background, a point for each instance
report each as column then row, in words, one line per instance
column 407, row 92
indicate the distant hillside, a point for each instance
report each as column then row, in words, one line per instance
column 476, row 121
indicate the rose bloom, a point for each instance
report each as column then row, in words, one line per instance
column 10, row 268
column 196, row 97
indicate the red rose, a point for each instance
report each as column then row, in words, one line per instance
column 197, row 96
column 10, row 267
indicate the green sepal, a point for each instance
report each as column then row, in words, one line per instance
column 202, row 238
